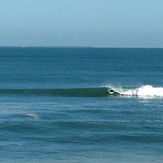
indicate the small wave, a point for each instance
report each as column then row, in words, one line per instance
column 32, row 116
column 143, row 91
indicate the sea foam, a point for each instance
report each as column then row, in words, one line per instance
column 145, row 90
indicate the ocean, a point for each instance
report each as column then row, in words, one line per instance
column 80, row 105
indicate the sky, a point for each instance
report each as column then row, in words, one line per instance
column 97, row 23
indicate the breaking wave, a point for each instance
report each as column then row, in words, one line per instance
column 143, row 91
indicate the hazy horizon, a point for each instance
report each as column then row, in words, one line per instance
column 87, row 23
column 42, row 46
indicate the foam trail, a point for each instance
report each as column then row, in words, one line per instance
column 32, row 116
column 146, row 90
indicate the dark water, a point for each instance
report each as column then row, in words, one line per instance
column 55, row 106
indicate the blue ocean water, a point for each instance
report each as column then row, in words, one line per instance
column 55, row 105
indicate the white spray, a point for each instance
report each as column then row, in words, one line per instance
column 146, row 90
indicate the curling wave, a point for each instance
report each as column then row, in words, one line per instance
column 144, row 91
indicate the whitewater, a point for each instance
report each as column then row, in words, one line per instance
column 147, row 90
column 143, row 91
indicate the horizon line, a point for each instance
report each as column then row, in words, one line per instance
column 102, row 47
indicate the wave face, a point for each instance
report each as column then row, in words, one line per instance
column 143, row 91
column 76, row 92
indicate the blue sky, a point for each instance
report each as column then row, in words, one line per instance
column 101, row 23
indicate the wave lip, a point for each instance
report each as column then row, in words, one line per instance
column 143, row 91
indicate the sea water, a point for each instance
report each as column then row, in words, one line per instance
column 55, row 105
